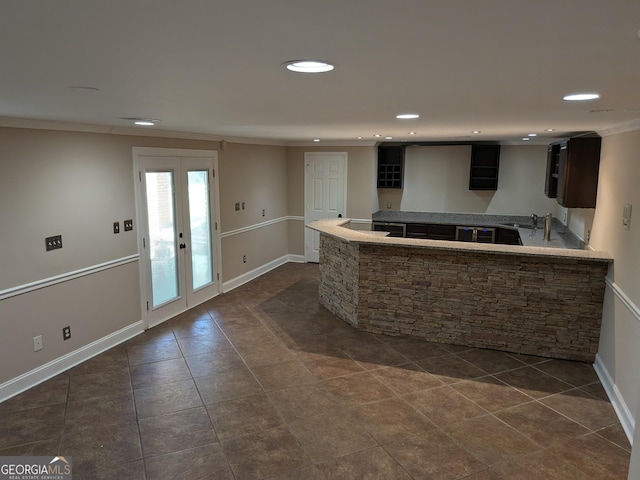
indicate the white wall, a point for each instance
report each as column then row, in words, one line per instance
column 436, row 179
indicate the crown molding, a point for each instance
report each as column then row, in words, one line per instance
column 39, row 124
column 632, row 126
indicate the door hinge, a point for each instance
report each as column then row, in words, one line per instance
column 139, row 176
column 216, row 226
column 147, row 306
column 213, row 173
column 218, row 276
column 144, row 245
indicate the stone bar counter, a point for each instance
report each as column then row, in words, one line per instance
column 523, row 299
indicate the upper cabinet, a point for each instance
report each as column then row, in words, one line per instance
column 390, row 166
column 485, row 160
column 572, row 172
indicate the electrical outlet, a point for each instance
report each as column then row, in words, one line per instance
column 263, row 212
column 588, row 235
column 128, row 225
column 53, row 243
column 66, row 333
column 37, row 343
column 244, row 259
column 388, row 204
column 116, row 227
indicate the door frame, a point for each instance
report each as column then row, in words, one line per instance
column 214, row 205
column 307, row 178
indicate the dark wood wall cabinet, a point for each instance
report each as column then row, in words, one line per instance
column 572, row 172
column 390, row 166
column 485, row 160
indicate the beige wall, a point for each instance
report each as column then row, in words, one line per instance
column 620, row 340
column 436, row 179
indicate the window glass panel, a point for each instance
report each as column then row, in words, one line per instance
column 199, row 218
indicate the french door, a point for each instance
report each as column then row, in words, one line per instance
column 178, row 241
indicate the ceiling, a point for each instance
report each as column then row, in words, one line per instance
column 215, row 67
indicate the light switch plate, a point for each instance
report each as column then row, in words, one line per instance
column 128, row 225
column 53, row 243
column 626, row 216
column 116, row 227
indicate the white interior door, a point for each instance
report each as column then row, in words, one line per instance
column 325, row 194
column 177, row 218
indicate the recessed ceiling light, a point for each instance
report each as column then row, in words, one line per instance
column 146, row 122
column 308, row 66
column 532, row 135
column 316, row 139
column 549, row 129
column 388, row 138
column 580, row 97
column 80, row 88
column 359, row 138
column 526, row 139
column 477, row 131
column 377, row 135
column 407, row 116
column 412, row 133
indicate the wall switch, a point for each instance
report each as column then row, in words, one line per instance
column 626, row 216
column 237, row 206
column 243, row 205
column 66, row 333
column 116, row 227
column 128, row 225
column 37, row 343
column 53, row 243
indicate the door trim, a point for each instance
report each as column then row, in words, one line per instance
column 139, row 201
column 307, row 219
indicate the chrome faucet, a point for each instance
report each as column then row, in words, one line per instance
column 534, row 220
column 547, row 226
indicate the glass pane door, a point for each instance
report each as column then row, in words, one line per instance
column 200, row 228
column 162, row 238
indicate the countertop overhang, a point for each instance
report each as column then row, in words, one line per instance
column 339, row 228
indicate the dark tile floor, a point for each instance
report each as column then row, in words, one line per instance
column 262, row 383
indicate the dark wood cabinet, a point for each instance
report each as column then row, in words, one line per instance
column 578, row 166
column 390, row 166
column 507, row 236
column 553, row 169
column 441, row 232
column 416, row 230
column 485, row 160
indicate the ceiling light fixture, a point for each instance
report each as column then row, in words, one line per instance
column 144, row 122
column 308, row 66
column 532, row 135
column 377, row 135
column 526, row 139
column 407, row 116
column 388, row 138
column 549, row 129
column 580, row 97
column 316, row 139
column 412, row 133
column 477, row 131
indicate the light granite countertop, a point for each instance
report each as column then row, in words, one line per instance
column 339, row 227
column 561, row 236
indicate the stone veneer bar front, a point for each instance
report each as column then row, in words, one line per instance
column 528, row 300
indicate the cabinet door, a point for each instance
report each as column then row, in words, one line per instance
column 416, row 230
column 553, row 168
column 390, row 166
column 578, row 172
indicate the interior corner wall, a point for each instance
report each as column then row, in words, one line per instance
column 619, row 351
column 436, row 179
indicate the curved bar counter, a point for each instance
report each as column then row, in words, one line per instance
column 521, row 299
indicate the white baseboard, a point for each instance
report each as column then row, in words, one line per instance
column 256, row 272
column 44, row 372
column 618, row 403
